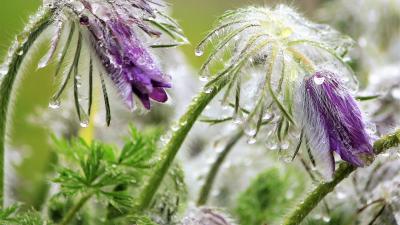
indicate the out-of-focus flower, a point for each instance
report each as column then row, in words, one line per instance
column 206, row 216
column 332, row 121
column 112, row 37
column 384, row 82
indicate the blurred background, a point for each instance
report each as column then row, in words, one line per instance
column 30, row 149
column 29, row 142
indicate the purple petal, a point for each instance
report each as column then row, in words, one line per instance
column 159, row 95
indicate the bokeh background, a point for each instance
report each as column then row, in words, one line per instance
column 30, row 142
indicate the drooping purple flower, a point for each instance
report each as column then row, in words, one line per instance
column 332, row 122
column 116, row 33
column 128, row 63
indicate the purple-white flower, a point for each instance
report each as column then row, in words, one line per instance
column 332, row 122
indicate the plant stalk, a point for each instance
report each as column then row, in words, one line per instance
column 172, row 147
column 323, row 189
column 75, row 209
column 212, row 174
column 23, row 43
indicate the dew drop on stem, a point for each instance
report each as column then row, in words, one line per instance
column 199, row 52
column 3, row 70
column 55, row 104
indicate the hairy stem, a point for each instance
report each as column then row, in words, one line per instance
column 23, row 43
column 75, row 209
column 212, row 174
column 323, row 189
column 172, row 147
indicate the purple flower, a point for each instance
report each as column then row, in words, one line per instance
column 128, row 62
column 332, row 122
column 117, row 30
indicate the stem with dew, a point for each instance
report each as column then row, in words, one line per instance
column 173, row 145
column 323, row 189
column 212, row 174
column 23, row 43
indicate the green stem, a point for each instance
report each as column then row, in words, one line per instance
column 24, row 42
column 172, row 147
column 71, row 213
column 212, row 174
column 323, row 189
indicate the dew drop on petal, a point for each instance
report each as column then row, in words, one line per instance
column 319, row 80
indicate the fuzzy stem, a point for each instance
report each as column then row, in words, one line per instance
column 172, row 147
column 212, row 174
column 71, row 213
column 323, row 189
column 24, row 41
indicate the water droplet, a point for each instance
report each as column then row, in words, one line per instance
column 396, row 93
column 272, row 146
column 340, row 195
column 238, row 118
column 319, row 80
column 54, row 104
column 250, row 131
column 267, row 116
column 347, row 59
column 285, row 145
column 251, row 141
column 43, row 61
column 78, row 6
column 3, row 70
column 175, row 127
column 362, row 41
column 326, row 219
column 203, row 78
column 84, row 123
column 208, row 90
column 198, row 52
